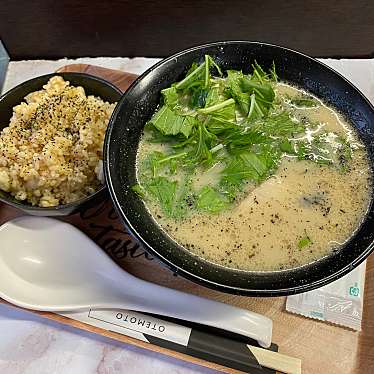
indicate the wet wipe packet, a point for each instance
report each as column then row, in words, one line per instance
column 340, row 302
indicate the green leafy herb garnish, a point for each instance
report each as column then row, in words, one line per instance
column 305, row 241
column 139, row 190
column 236, row 122
column 198, row 75
column 304, row 101
column 164, row 191
column 211, row 200
column 168, row 122
column 326, row 149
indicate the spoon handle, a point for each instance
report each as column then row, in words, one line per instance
column 151, row 298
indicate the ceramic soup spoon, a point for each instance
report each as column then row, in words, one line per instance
column 49, row 265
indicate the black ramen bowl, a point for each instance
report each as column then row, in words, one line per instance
column 140, row 102
column 92, row 86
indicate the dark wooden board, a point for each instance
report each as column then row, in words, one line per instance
column 70, row 28
column 323, row 348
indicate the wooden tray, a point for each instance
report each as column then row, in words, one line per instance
column 323, row 348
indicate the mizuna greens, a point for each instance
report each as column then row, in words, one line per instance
column 232, row 122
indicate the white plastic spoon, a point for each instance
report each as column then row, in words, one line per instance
column 50, row 265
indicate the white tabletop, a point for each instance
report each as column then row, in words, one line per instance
column 32, row 345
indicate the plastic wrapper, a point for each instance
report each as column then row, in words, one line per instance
column 340, row 302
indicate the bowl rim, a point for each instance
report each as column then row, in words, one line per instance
column 186, row 273
column 33, row 208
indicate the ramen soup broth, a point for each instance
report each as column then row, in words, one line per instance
column 302, row 212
